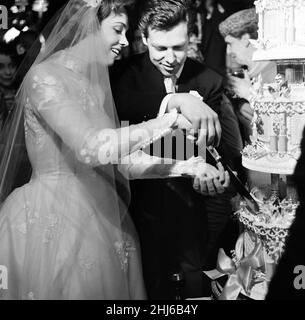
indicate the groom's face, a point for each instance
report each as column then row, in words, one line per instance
column 168, row 48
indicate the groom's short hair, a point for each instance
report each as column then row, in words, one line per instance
column 163, row 15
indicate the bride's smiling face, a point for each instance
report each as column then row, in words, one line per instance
column 113, row 29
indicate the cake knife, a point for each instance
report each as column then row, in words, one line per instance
column 241, row 189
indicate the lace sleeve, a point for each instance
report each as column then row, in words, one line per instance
column 114, row 145
column 56, row 102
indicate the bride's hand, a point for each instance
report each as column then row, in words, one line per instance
column 208, row 180
column 183, row 124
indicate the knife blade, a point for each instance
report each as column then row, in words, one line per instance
column 241, row 189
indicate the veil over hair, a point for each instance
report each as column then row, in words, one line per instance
column 82, row 73
column 78, row 20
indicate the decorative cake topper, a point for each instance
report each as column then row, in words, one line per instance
column 262, row 5
column 260, row 125
column 255, row 150
column 281, row 87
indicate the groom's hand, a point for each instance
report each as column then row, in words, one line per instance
column 204, row 120
column 208, row 180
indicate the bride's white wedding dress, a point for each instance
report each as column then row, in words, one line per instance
column 59, row 236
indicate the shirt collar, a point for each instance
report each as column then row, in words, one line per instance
column 178, row 74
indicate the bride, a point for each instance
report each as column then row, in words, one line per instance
column 66, row 234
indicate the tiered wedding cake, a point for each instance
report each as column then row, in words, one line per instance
column 279, row 108
column 281, row 29
column 279, row 119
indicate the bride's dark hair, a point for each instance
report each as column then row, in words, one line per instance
column 116, row 6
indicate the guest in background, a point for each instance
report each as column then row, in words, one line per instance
column 237, row 31
column 8, row 68
column 211, row 46
column 137, row 45
column 205, row 18
column 195, row 31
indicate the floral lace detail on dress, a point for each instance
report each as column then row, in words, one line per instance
column 48, row 224
column 86, row 99
column 97, row 150
column 123, row 249
column 51, row 230
column 52, row 89
column 31, row 218
column 47, row 80
column 32, row 128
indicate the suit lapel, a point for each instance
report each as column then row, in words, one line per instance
column 152, row 79
column 187, row 81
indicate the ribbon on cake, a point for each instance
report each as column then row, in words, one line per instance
column 243, row 272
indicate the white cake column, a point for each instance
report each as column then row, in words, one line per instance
column 290, row 27
column 282, row 142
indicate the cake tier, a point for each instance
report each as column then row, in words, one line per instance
column 271, row 224
column 278, row 124
column 279, row 52
column 281, row 29
column 277, row 99
column 269, row 164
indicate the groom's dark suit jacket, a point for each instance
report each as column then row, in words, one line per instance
column 138, row 86
column 177, row 226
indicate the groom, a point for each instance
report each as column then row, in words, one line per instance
column 178, row 228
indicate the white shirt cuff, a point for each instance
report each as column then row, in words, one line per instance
column 164, row 103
